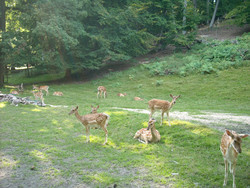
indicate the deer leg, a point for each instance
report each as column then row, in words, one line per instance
column 106, row 134
column 151, row 113
column 226, row 172
column 168, row 119
column 234, row 185
column 87, row 134
column 162, row 115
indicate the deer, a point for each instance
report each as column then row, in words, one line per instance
column 40, row 88
column 38, row 95
column 149, row 134
column 100, row 90
column 230, row 148
column 15, row 92
column 58, row 93
column 138, row 99
column 121, row 94
column 94, row 109
column 89, row 120
column 164, row 106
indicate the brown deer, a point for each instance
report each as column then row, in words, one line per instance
column 40, row 88
column 94, row 109
column 58, row 93
column 89, row 120
column 100, row 90
column 149, row 134
column 164, row 106
column 138, row 99
column 15, row 92
column 121, row 94
column 230, row 148
column 38, row 95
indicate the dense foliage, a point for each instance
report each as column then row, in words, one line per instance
column 88, row 34
column 206, row 58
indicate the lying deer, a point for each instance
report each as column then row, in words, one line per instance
column 149, row 134
column 38, row 95
column 138, row 99
column 40, row 88
column 121, row 94
column 100, row 119
column 58, row 93
column 164, row 106
column 100, row 90
column 94, row 109
column 230, row 148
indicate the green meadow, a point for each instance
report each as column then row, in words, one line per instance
column 45, row 147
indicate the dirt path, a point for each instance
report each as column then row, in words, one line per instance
column 219, row 121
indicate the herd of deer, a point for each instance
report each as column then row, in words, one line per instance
column 230, row 142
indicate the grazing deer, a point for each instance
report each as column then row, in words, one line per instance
column 100, row 90
column 38, row 95
column 58, row 93
column 121, row 94
column 164, row 106
column 100, row 119
column 94, row 109
column 230, row 148
column 40, row 88
column 149, row 134
column 138, row 99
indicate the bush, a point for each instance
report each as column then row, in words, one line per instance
column 205, row 59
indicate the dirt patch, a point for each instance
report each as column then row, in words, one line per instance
column 219, row 121
column 226, row 32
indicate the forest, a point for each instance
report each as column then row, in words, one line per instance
column 82, row 35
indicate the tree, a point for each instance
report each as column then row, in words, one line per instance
column 2, row 29
column 214, row 14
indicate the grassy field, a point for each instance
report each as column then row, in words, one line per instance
column 45, row 147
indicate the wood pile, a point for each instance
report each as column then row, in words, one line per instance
column 15, row 100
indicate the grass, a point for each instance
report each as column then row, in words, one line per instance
column 47, row 147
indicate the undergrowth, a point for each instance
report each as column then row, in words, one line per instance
column 206, row 58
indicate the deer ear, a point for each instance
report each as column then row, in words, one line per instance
column 97, row 107
column 243, row 135
column 91, row 106
column 76, row 107
column 229, row 133
column 171, row 95
column 179, row 96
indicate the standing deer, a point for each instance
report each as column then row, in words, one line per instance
column 230, row 148
column 149, row 134
column 94, row 109
column 38, row 95
column 100, row 119
column 100, row 90
column 40, row 88
column 164, row 106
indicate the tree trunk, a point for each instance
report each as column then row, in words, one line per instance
column 208, row 12
column 2, row 28
column 68, row 74
column 213, row 18
column 184, row 17
column 195, row 4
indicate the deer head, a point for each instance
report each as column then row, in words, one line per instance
column 94, row 109
column 73, row 110
column 174, row 98
column 236, row 140
column 151, row 123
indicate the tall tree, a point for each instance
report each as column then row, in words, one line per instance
column 214, row 14
column 2, row 29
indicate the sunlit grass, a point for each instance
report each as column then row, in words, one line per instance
column 187, row 155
